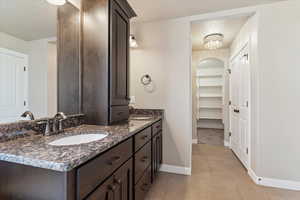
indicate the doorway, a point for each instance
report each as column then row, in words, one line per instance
column 221, row 84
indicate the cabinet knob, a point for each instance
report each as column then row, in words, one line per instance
column 118, row 181
column 114, row 160
column 144, row 159
column 145, row 187
column 112, row 187
column 145, row 137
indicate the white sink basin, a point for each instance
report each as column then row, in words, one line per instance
column 78, row 139
column 141, row 117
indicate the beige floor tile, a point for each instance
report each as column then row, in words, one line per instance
column 216, row 175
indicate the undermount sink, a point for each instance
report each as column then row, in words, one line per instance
column 78, row 139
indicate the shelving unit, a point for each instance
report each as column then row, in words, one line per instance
column 209, row 82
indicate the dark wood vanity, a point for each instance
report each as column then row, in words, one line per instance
column 93, row 79
column 127, row 170
column 122, row 172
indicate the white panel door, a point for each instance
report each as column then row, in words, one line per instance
column 13, row 85
column 239, row 109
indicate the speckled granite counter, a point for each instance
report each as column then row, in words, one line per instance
column 34, row 149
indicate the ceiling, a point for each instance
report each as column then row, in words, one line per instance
column 28, row 19
column 149, row 10
column 36, row 19
column 229, row 27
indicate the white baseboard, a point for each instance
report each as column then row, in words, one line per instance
column 253, row 176
column 277, row 183
column 175, row 169
column 226, row 143
column 195, row 141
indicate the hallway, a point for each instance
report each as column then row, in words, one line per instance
column 216, row 175
column 210, row 136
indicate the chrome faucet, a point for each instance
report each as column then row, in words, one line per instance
column 58, row 118
column 28, row 113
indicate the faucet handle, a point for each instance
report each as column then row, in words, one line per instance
column 60, row 124
column 47, row 128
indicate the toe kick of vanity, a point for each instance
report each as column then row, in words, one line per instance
column 122, row 172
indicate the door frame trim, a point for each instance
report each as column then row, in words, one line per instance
column 246, row 44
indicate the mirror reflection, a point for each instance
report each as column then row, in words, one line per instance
column 28, row 60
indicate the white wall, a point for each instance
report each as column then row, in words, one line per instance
column 13, row 43
column 38, row 68
column 164, row 53
column 52, row 80
column 197, row 56
column 279, row 94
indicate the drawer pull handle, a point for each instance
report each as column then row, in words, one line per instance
column 114, row 160
column 120, row 113
column 145, row 137
column 144, row 159
column 145, row 187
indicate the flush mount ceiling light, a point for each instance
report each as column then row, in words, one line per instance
column 57, row 2
column 132, row 41
column 213, row 41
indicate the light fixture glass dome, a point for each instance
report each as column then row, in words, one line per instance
column 57, row 2
column 213, row 41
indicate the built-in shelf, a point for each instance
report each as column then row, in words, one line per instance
column 210, row 107
column 209, row 76
column 210, row 118
column 209, row 82
column 210, row 96
column 209, row 85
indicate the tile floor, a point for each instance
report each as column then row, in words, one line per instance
column 210, row 136
column 216, row 175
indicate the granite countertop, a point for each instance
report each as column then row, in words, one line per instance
column 34, row 150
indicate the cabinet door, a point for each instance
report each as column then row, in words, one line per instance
column 119, row 48
column 104, row 192
column 117, row 187
column 154, row 158
column 123, row 182
column 156, row 154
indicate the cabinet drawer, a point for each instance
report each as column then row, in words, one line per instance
column 119, row 113
column 156, row 127
column 143, row 186
column 90, row 175
column 142, row 161
column 142, row 138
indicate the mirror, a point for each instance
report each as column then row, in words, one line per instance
column 33, row 65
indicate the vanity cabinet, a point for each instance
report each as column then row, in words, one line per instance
column 105, row 60
column 123, row 172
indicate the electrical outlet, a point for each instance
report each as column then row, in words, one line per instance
column 132, row 100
